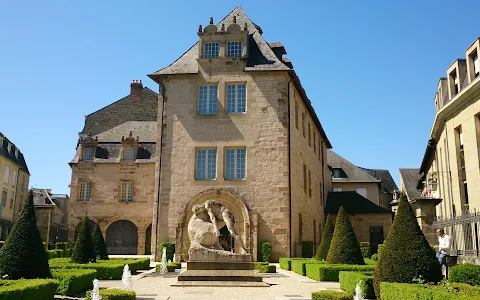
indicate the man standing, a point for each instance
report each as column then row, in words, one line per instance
column 443, row 246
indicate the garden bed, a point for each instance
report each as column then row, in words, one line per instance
column 114, row 294
column 72, row 281
column 298, row 266
column 25, row 289
column 348, row 282
column 450, row 291
column 330, row 272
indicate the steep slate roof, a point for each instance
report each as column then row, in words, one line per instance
column 129, row 108
column 261, row 57
column 18, row 160
column 110, row 152
column 354, row 173
column 145, row 130
column 353, row 203
column 410, row 178
column 41, row 198
column 387, row 182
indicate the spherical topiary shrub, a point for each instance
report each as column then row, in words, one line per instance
column 23, row 254
column 465, row 273
column 266, row 251
column 322, row 251
column 406, row 253
column 344, row 248
column 83, row 252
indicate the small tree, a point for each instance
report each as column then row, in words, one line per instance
column 83, row 252
column 99, row 243
column 322, row 251
column 344, row 248
column 406, row 253
column 23, row 254
column 266, row 251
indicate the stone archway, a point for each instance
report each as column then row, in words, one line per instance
column 234, row 203
column 122, row 237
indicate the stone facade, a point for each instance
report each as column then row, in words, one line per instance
column 274, row 194
column 362, row 224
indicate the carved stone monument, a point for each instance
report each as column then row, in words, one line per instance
column 209, row 264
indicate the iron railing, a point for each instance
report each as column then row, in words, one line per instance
column 464, row 232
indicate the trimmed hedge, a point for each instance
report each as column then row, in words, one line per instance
column 72, row 281
column 27, row 289
column 266, row 251
column 106, row 269
column 344, row 248
column 365, row 248
column 322, row 250
column 380, row 248
column 369, row 261
column 307, row 249
column 83, row 252
column 374, row 257
column 331, row 295
column 465, row 273
column 406, row 291
column 286, row 262
column 327, row 272
column 170, row 249
column 170, row 267
column 348, row 282
column 177, row 264
column 298, row 266
column 1, row 244
column 61, row 245
column 114, row 294
column 265, row 267
column 99, row 243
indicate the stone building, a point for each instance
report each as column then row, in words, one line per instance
column 375, row 185
column 14, row 180
column 113, row 172
column 236, row 125
column 370, row 221
column 44, row 208
column 451, row 164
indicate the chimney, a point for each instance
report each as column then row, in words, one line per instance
column 136, row 88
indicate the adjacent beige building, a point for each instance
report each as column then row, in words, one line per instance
column 451, row 165
column 113, row 172
column 14, row 178
column 235, row 124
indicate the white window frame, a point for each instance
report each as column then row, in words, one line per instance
column 236, row 164
column 85, row 191
column 129, row 154
column 90, row 156
column 211, row 49
column 210, row 90
column 6, row 174
column 209, row 161
column 239, row 89
column 337, row 189
column 127, row 191
column 233, row 50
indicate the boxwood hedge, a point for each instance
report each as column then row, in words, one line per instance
column 114, row 294
column 72, row 281
column 286, row 262
column 265, row 267
column 27, row 289
column 330, row 272
column 331, row 295
column 407, row 291
column 298, row 266
column 465, row 273
column 349, row 280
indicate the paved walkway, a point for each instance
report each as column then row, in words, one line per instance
column 285, row 285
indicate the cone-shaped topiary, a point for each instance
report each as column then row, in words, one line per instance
column 406, row 253
column 83, row 252
column 99, row 243
column 23, row 254
column 322, row 251
column 344, row 248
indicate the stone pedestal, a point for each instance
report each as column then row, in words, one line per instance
column 212, row 268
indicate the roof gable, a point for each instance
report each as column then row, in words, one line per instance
column 354, row 173
column 260, row 56
column 410, row 178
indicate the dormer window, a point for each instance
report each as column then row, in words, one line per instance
column 130, row 154
column 234, row 49
column 210, row 50
column 88, row 154
column 454, row 82
column 339, row 173
column 476, row 63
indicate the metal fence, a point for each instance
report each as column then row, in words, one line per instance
column 464, row 232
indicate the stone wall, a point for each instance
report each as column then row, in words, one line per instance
column 262, row 130
column 373, row 190
column 43, row 221
column 361, row 223
column 106, row 206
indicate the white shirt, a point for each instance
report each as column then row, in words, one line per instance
column 444, row 243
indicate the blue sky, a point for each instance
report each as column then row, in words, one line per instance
column 370, row 68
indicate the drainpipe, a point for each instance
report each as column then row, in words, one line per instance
column 157, row 203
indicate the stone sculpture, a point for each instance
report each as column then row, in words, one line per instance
column 204, row 230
